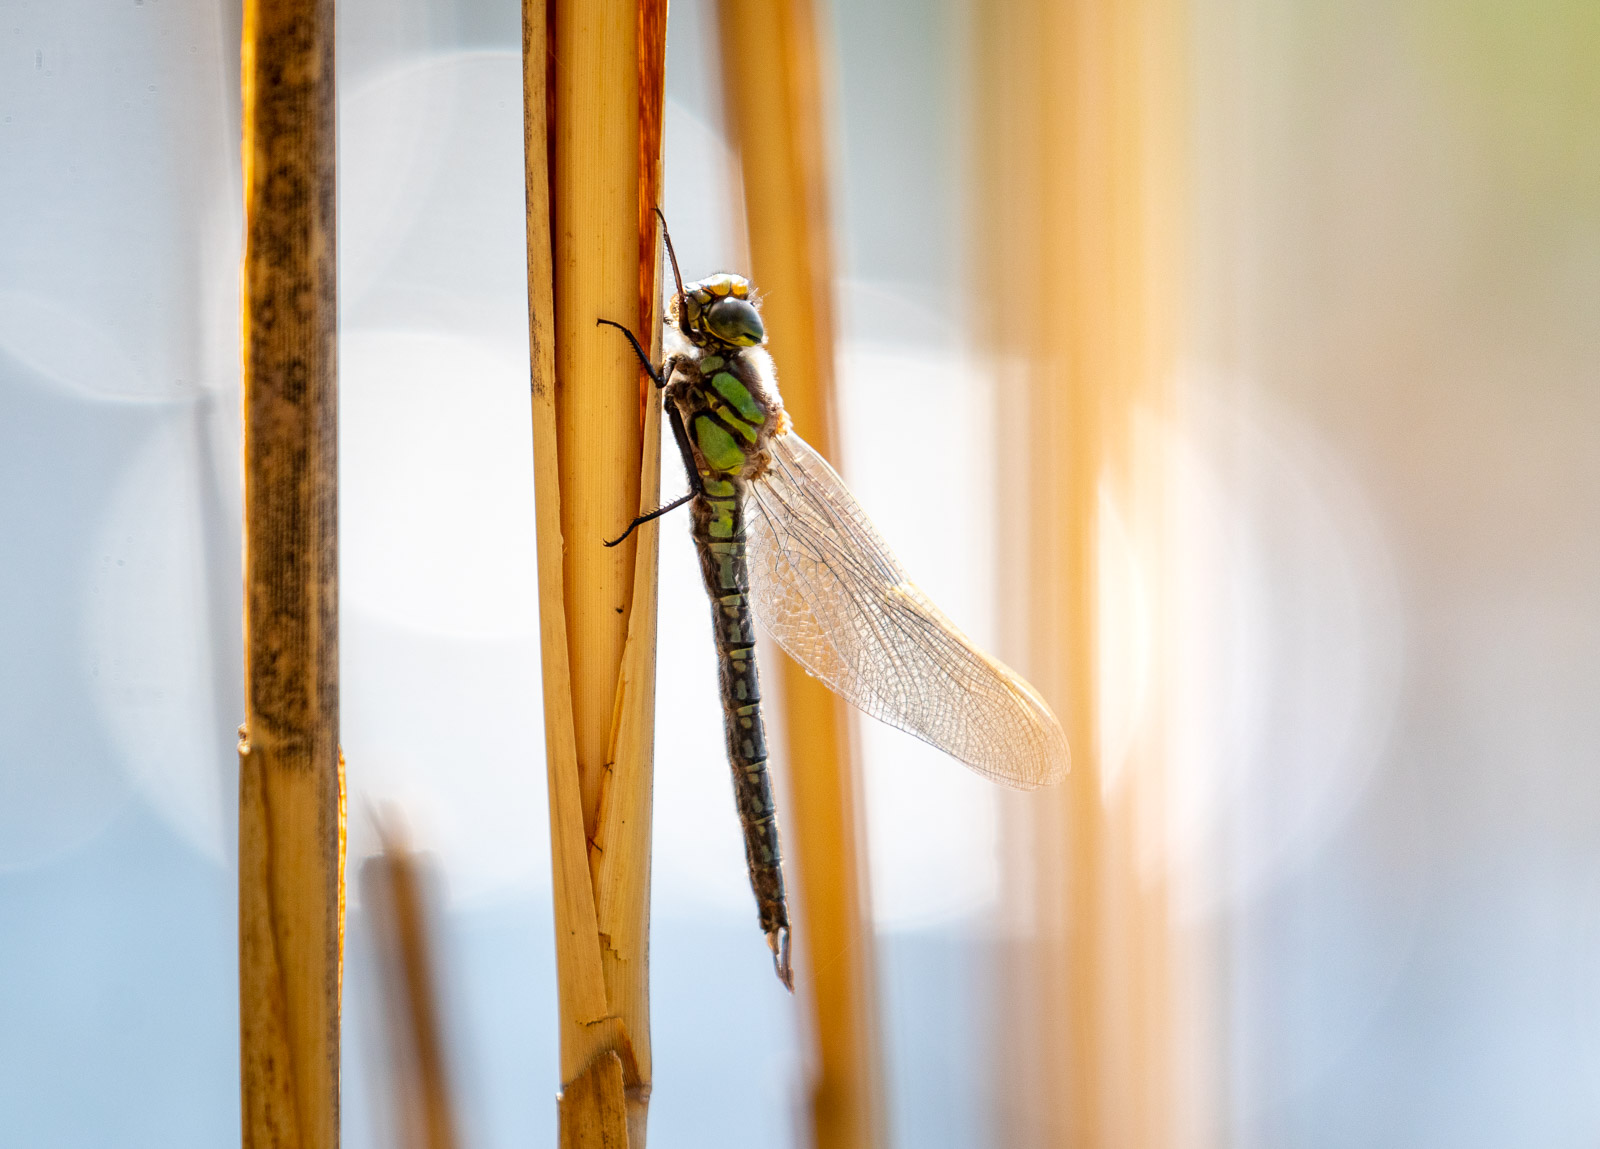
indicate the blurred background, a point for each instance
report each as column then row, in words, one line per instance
column 1338, row 755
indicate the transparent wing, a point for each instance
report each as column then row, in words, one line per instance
column 825, row 585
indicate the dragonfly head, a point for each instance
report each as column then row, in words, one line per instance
column 719, row 311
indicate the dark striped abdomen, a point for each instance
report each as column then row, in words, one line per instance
column 718, row 525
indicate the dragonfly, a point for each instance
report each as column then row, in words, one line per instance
column 781, row 540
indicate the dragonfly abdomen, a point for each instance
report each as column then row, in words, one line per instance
column 719, row 535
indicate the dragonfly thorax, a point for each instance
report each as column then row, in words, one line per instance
column 719, row 311
column 727, row 400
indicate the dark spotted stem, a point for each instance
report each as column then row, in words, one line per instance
column 727, row 578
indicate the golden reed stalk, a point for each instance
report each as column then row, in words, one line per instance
column 291, row 777
column 1080, row 208
column 593, row 88
column 772, row 78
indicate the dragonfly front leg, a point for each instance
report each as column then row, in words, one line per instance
column 655, row 374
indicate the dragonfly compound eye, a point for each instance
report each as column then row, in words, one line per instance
column 735, row 321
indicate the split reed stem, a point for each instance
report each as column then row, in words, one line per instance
column 593, row 92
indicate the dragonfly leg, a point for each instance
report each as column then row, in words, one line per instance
column 680, row 435
column 655, row 375
column 651, row 517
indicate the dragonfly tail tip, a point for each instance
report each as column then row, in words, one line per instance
column 778, row 942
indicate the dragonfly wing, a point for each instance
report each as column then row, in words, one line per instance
column 827, row 587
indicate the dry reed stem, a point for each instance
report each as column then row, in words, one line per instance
column 1078, row 160
column 396, row 889
column 593, row 90
column 291, row 778
column 773, row 83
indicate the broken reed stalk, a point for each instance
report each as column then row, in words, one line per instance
column 1077, row 169
column 594, row 91
column 772, row 76
column 291, row 777
column 398, row 893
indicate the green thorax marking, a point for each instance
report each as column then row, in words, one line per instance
column 725, row 419
column 717, row 445
column 739, row 395
column 732, row 422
